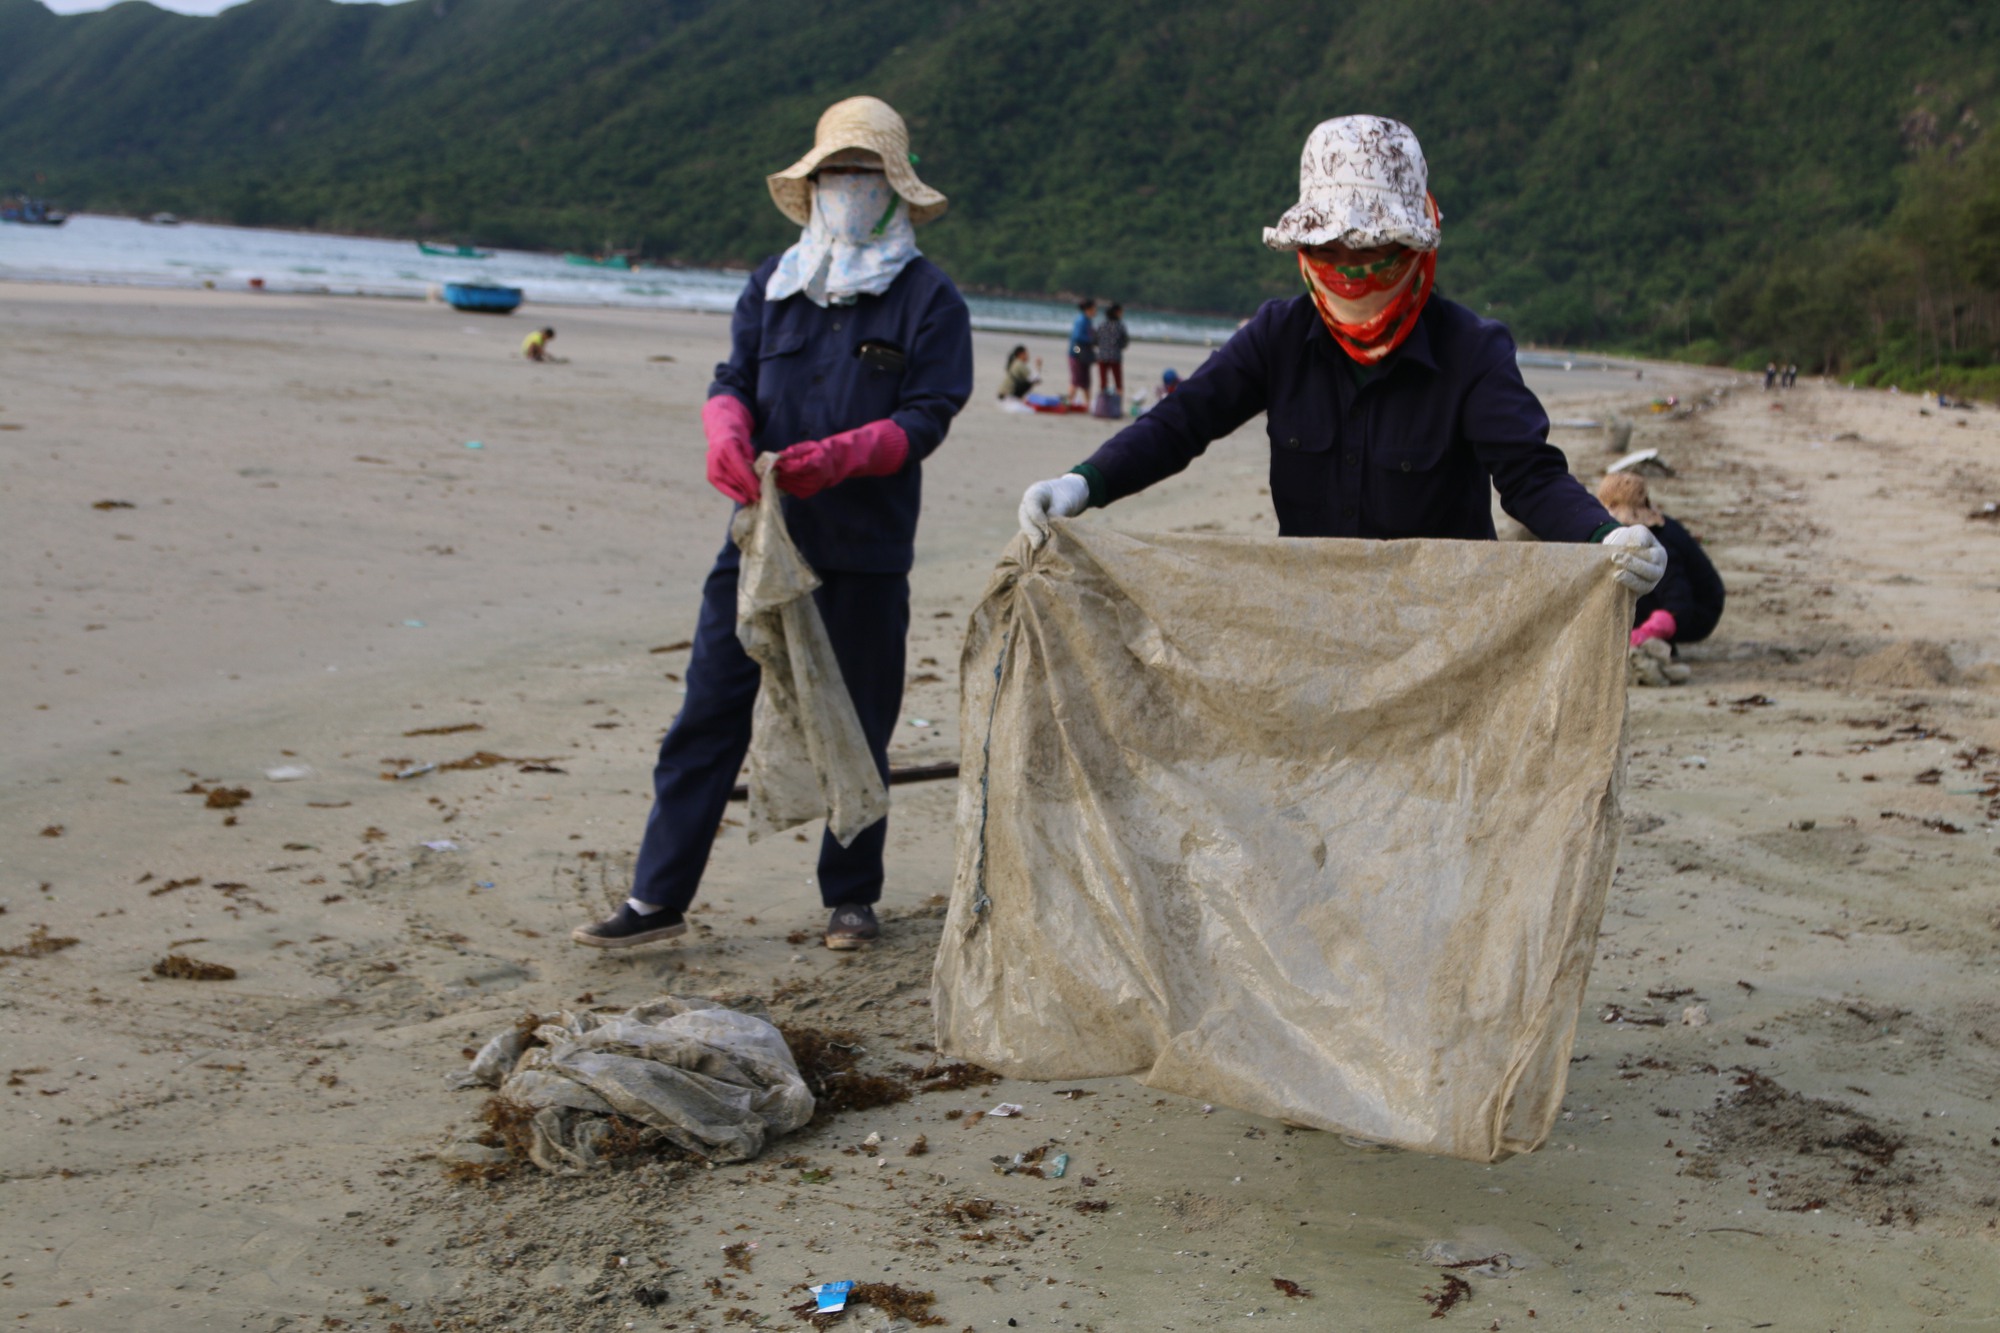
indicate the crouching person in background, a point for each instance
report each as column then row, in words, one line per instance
column 1686, row 605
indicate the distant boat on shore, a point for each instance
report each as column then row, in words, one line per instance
column 482, row 298
column 599, row 261
column 31, row 213
column 454, row 251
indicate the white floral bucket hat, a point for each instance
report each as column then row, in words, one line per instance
column 1362, row 183
column 867, row 124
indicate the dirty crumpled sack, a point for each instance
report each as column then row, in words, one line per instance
column 705, row 1077
column 809, row 758
column 1316, row 829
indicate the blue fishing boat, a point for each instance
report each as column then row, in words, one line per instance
column 482, row 297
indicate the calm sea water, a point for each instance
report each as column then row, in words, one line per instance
column 127, row 252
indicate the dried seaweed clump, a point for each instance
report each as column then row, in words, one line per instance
column 828, row 1061
column 219, row 798
column 1453, row 1290
column 509, row 1124
column 183, row 968
column 954, row 1077
column 39, row 944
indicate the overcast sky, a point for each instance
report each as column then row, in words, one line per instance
column 179, row 6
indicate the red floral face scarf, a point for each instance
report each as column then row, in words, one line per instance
column 1371, row 308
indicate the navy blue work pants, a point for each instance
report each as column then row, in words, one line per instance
column 867, row 618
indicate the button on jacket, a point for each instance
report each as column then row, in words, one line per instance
column 1406, row 453
column 809, row 371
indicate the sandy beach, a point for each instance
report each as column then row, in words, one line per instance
column 355, row 537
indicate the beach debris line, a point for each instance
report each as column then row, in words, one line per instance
column 452, row 730
column 40, row 944
column 402, row 770
column 180, row 967
column 830, row 1301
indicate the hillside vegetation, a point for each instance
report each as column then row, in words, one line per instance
column 1809, row 179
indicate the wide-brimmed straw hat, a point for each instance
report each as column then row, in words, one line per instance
column 871, row 125
column 1624, row 494
column 1362, row 183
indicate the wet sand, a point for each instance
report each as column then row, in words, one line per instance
column 258, row 1153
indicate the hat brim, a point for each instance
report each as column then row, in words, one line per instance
column 791, row 189
column 1362, row 221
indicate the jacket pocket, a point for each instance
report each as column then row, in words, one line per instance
column 780, row 344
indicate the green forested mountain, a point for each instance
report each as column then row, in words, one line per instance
column 1800, row 177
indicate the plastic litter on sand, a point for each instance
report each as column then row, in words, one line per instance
column 288, row 773
column 831, row 1297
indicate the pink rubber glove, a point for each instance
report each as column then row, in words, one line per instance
column 1659, row 625
column 727, row 423
column 874, row 450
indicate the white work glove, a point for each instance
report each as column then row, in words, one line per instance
column 1059, row 497
column 1640, row 559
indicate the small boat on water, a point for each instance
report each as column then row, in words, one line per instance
column 163, row 220
column 599, row 261
column 454, row 251
column 31, row 212
column 482, row 298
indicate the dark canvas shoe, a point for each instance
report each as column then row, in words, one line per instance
column 629, row 929
column 852, row 926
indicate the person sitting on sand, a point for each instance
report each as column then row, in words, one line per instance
column 1082, row 352
column 1391, row 412
column 1686, row 605
column 1022, row 375
column 536, row 345
column 849, row 356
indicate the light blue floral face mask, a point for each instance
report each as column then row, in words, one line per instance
column 858, row 240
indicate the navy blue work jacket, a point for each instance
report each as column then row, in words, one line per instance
column 808, row 371
column 1406, row 454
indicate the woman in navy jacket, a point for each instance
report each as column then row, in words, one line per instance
column 1391, row 411
column 849, row 355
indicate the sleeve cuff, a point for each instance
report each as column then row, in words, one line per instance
column 1100, row 495
column 1603, row 530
